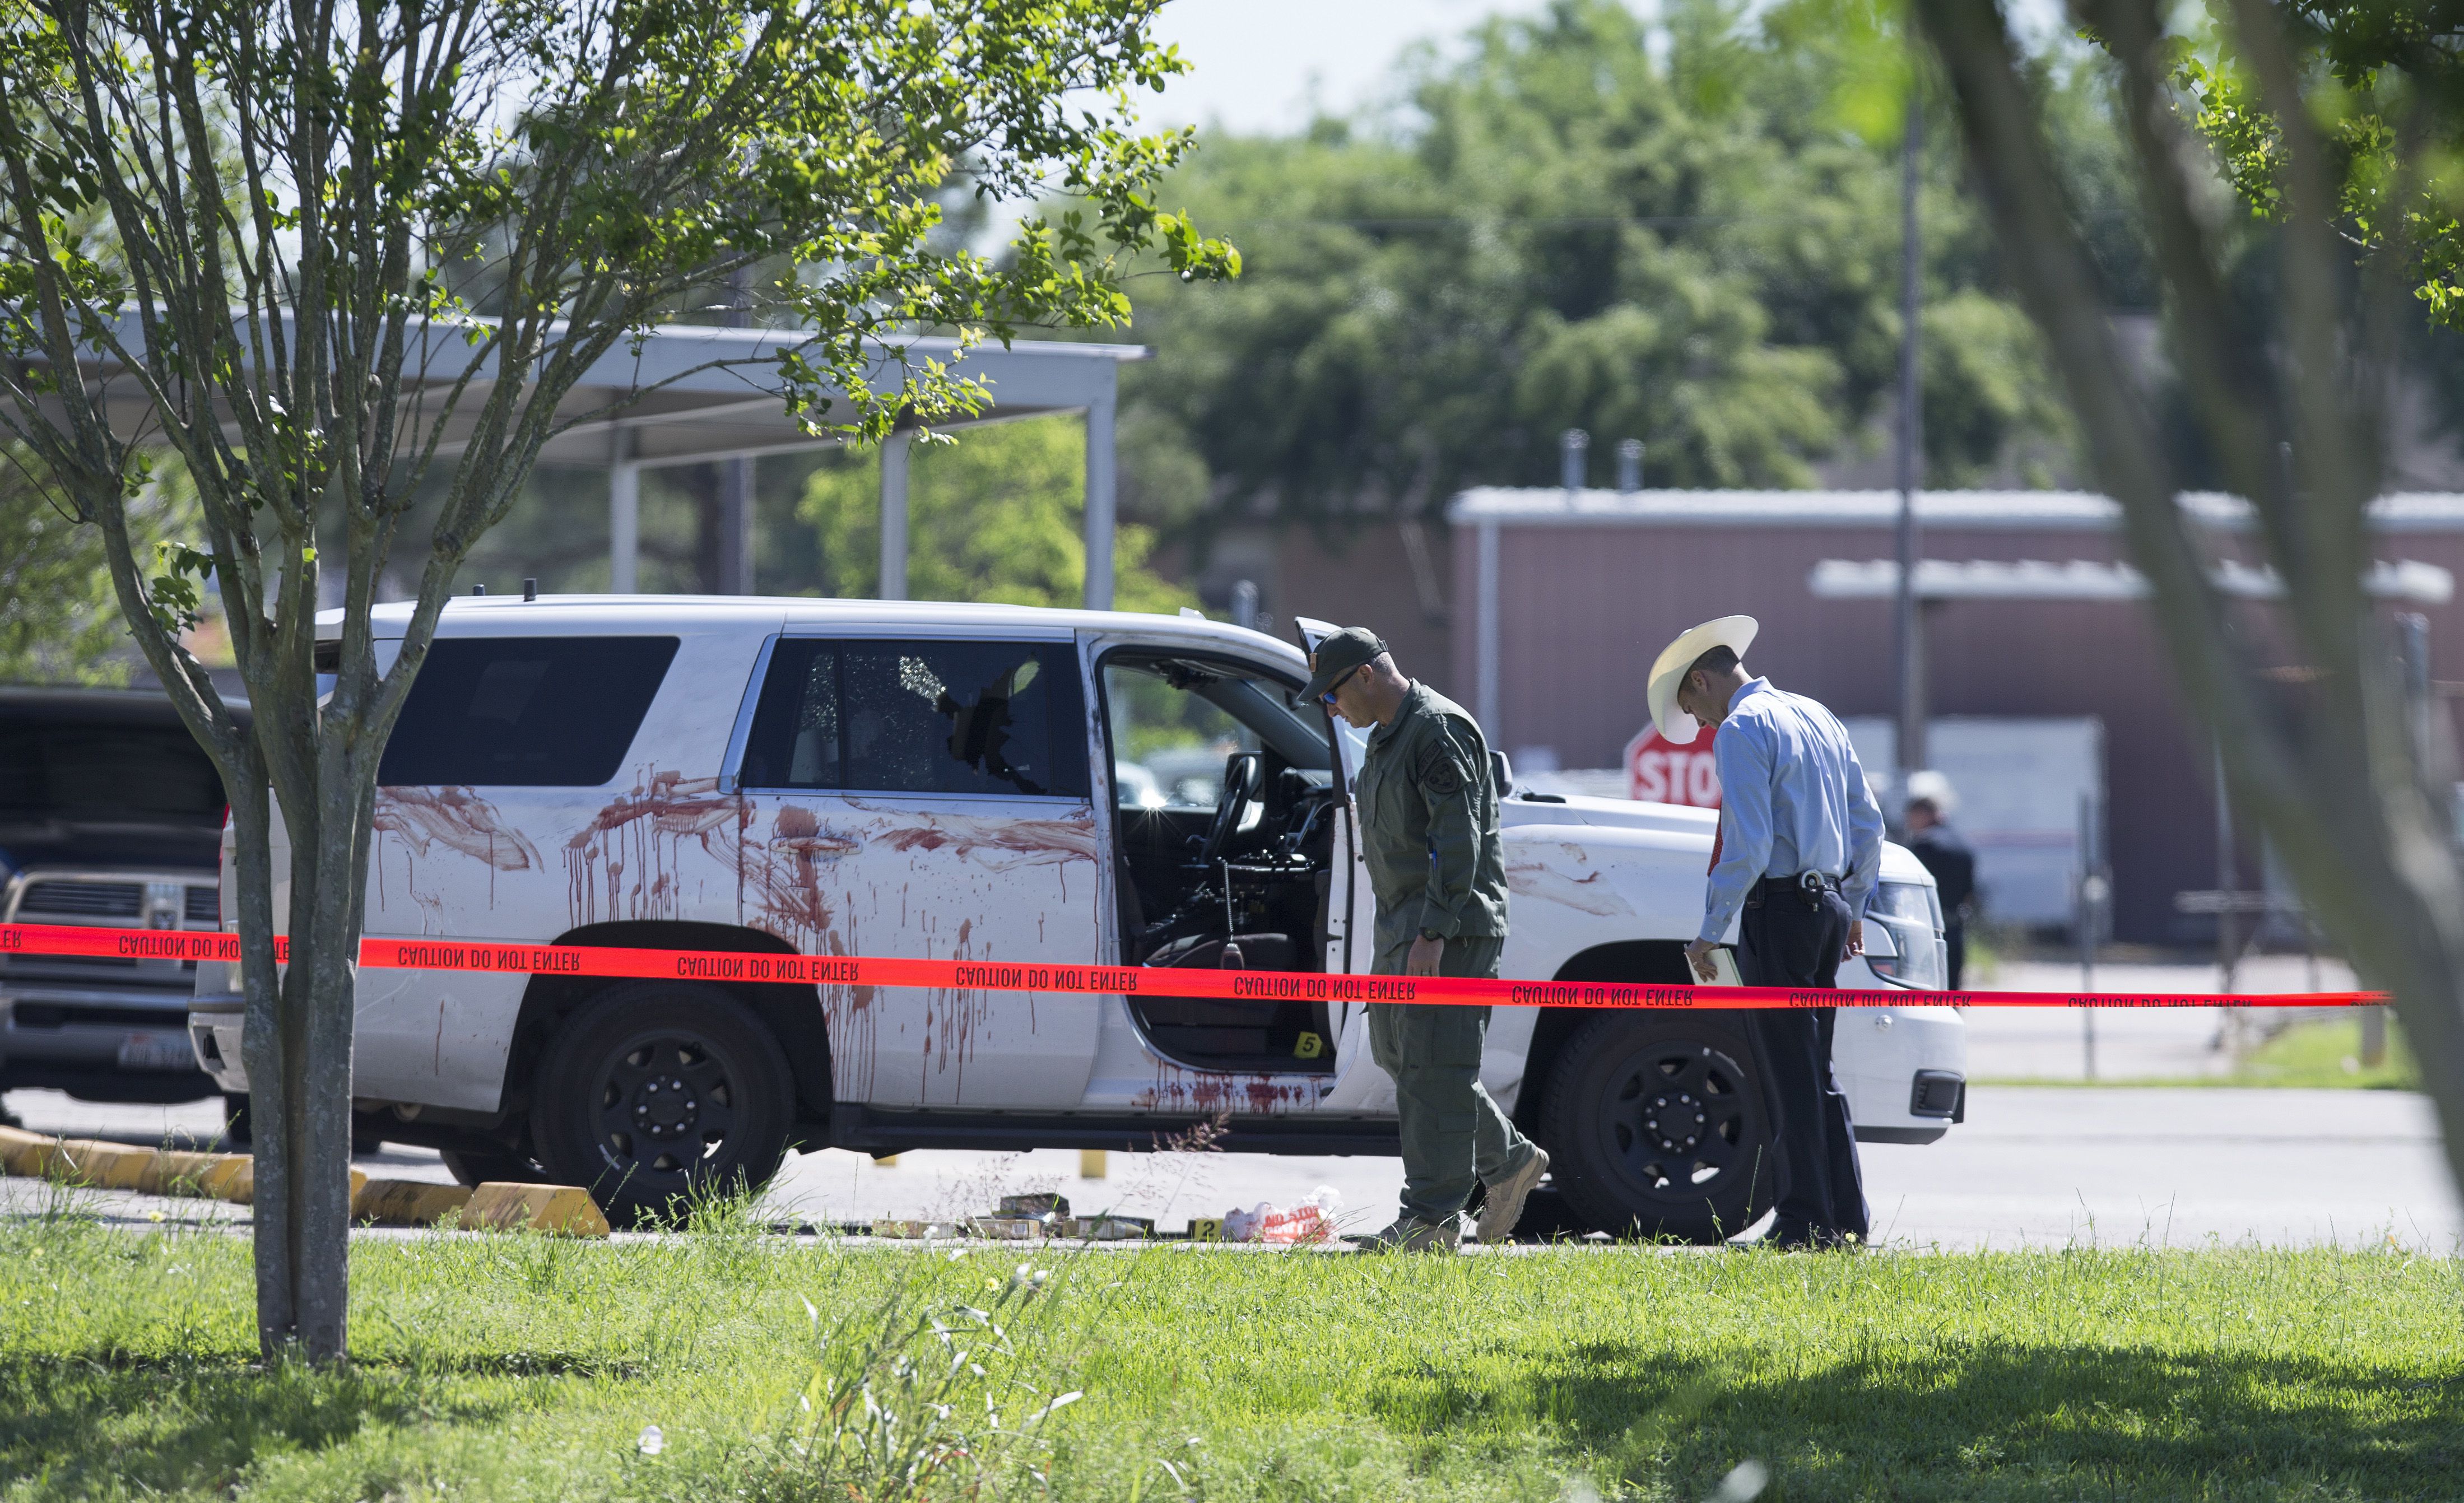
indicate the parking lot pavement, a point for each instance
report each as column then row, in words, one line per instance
column 2050, row 1167
column 2033, row 1166
column 1171, row 1188
column 2130, row 1044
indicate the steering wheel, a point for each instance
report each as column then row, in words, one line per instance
column 1244, row 773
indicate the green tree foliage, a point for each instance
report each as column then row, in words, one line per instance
column 339, row 256
column 59, row 620
column 996, row 516
column 2388, row 79
column 1699, row 249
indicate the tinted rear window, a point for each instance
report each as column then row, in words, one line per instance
column 526, row 712
column 102, row 771
column 983, row 718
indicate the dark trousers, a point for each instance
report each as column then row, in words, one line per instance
column 1453, row 1135
column 1784, row 940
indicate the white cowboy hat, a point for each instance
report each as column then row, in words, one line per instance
column 1736, row 633
column 1935, row 789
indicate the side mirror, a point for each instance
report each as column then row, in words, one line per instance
column 1503, row 772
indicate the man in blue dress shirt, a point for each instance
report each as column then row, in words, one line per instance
column 1798, row 851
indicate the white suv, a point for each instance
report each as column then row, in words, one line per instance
column 997, row 782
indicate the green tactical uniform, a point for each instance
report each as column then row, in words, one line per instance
column 1429, row 828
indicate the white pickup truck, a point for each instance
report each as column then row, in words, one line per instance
column 997, row 782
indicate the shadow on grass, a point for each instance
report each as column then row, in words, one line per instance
column 106, row 1425
column 1964, row 1421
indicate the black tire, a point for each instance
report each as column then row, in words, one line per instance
column 656, row 1093
column 1655, row 1128
column 477, row 1167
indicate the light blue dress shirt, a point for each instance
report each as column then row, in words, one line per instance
column 1791, row 799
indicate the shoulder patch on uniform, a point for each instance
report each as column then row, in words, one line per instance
column 1439, row 772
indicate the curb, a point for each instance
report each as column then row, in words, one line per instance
column 562, row 1210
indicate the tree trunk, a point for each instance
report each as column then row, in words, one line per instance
column 2358, row 818
column 298, row 1050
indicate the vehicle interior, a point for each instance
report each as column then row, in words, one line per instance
column 1224, row 790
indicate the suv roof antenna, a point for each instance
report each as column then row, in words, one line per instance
column 530, row 590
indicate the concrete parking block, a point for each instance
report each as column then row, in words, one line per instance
column 224, row 1177
column 407, row 1202
column 118, row 1166
column 106, row 1166
column 564, row 1208
column 32, row 1156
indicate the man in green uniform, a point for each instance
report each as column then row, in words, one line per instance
column 1428, row 818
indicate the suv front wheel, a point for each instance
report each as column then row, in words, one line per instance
column 657, row 1095
column 1658, row 1130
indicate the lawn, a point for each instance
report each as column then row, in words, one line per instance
column 2322, row 1052
column 517, row 1367
column 2328, row 1053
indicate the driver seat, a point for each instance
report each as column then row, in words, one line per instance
column 1258, row 952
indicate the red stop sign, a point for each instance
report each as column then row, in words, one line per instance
column 1657, row 772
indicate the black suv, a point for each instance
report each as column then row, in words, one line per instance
column 110, row 814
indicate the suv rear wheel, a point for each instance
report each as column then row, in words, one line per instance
column 1658, row 1130
column 656, row 1093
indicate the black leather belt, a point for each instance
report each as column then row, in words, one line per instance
column 1809, row 886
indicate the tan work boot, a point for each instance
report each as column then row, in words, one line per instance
column 1507, row 1192
column 1411, row 1234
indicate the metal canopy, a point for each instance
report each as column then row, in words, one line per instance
column 702, row 411
column 699, row 394
column 698, row 413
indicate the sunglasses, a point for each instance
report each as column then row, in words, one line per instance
column 1337, row 687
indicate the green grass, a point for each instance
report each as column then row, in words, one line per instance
column 2327, row 1054
column 525, row 1369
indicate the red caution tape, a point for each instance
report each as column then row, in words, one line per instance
column 849, row 970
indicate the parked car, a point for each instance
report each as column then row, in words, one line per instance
column 997, row 782
column 108, row 815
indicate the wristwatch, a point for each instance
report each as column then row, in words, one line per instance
column 1431, row 934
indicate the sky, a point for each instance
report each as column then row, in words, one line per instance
column 1260, row 65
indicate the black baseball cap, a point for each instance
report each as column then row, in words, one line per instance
column 1339, row 655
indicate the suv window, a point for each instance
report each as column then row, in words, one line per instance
column 106, row 770
column 985, row 718
column 1175, row 721
column 525, row 712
